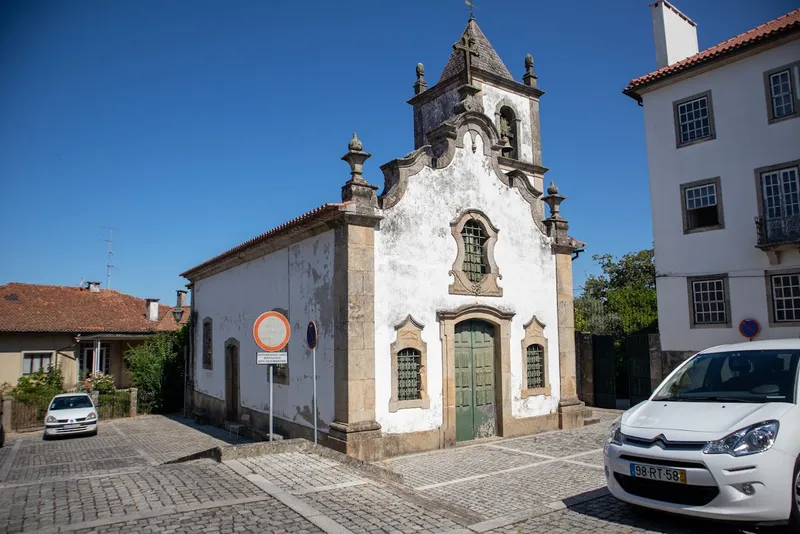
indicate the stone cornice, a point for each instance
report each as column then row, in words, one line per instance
column 522, row 165
column 453, row 82
column 473, row 308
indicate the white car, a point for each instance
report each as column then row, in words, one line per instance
column 70, row 413
column 718, row 439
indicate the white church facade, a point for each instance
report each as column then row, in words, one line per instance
column 443, row 304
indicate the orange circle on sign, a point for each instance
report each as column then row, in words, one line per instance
column 282, row 339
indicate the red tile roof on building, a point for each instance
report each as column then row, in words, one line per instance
column 266, row 236
column 778, row 27
column 46, row 308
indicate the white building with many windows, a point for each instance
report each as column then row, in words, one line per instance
column 723, row 149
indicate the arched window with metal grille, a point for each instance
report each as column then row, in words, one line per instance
column 474, row 236
column 535, row 366
column 408, row 375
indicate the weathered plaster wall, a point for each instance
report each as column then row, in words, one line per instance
column 745, row 141
column 298, row 279
column 492, row 98
column 437, row 111
column 415, row 250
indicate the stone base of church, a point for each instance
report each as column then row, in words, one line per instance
column 362, row 440
column 571, row 413
column 214, row 407
column 399, row 444
column 524, row 426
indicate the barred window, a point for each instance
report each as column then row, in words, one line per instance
column 208, row 359
column 780, row 88
column 408, row 375
column 708, row 301
column 474, row 238
column 694, row 121
column 535, row 360
column 786, row 297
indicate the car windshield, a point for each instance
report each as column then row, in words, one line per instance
column 68, row 403
column 735, row 376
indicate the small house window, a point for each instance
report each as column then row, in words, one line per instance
column 701, row 206
column 35, row 361
column 709, row 301
column 408, row 375
column 208, row 360
column 535, row 366
column 474, row 238
column 694, row 121
column 508, row 131
column 786, row 298
column 781, row 94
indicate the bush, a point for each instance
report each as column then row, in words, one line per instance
column 156, row 370
column 98, row 382
column 32, row 387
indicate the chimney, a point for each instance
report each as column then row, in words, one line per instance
column 93, row 287
column 152, row 309
column 675, row 34
column 181, row 303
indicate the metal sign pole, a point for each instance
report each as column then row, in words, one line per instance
column 314, row 415
column 270, row 402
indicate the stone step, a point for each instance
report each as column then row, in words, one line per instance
column 591, row 421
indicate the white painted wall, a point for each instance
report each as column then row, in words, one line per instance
column 300, row 279
column 675, row 36
column 415, row 250
column 744, row 142
column 492, row 96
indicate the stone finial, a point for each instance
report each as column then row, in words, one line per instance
column 357, row 188
column 529, row 78
column 355, row 144
column 420, row 85
column 553, row 200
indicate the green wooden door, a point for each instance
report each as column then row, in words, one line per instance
column 474, row 373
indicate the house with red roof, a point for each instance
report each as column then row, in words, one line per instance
column 722, row 127
column 82, row 329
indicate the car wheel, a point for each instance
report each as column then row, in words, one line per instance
column 794, row 519
column 45, row 437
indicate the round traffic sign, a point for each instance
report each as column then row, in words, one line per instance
column 749, row 328
column 271, row 331
column 311, row 335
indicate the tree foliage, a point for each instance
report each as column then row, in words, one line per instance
column 156, row 370
column 622, row 300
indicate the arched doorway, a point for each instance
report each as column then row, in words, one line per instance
column 475, row 400
column 232, row 380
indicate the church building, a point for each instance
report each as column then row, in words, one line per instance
column 444, row 303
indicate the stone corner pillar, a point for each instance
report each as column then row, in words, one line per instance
column 571, row 411
column 354, row 430
column 6, row 409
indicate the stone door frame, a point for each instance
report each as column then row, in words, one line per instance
column 232, row 353
column 501, row 320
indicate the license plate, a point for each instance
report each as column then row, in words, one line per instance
column 71, row 426
column 654, row 472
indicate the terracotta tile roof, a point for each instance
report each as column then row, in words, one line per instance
column 260, row 239
column 46, row 308
column 487, row 60
column 782, row 25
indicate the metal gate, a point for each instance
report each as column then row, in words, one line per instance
column 637, row 350
column 605, row 389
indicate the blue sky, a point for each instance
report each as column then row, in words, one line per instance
column 192, row 126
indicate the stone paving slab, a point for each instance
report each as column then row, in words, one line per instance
column 442, row 466
column 72, row 470
column 376, row 509
column 72, row 501
column 525, row 490
column 608, row 515
column 263, row 517
column 296, row 471
column 562, row 443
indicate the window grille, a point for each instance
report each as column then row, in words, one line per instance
column 408, row 375
column 535, row 360
column 474, row 257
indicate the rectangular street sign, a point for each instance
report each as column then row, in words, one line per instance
column 271, row 358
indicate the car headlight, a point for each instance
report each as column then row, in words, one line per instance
column 751, row 440
column 615, row 433
column 51, row 419
column 91, row 416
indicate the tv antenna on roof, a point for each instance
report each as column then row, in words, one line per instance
column 109, row 264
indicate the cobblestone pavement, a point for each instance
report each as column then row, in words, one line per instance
column 118, row 482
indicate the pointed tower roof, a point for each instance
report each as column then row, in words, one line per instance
column 487, row 60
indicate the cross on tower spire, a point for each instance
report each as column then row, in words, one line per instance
column 466, row 44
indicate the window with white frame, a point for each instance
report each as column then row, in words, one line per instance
column 35, row 361
column 709, row 304
column 780, row 191
column 785, row 297
column 694, row 119
column 781, row 93
column 701, row 203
